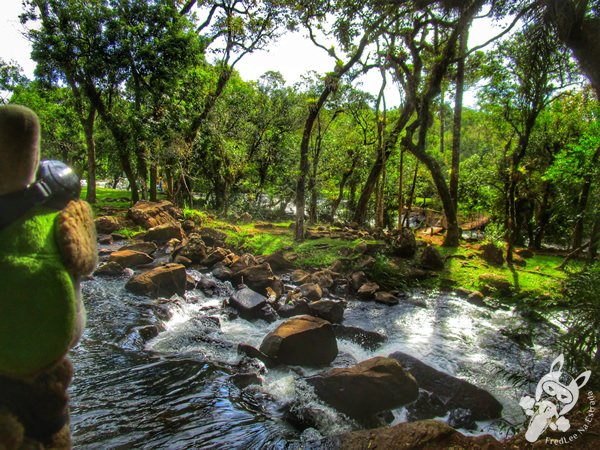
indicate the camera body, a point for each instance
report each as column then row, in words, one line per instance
column 56, row 184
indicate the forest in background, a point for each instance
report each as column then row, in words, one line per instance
column 147, row 91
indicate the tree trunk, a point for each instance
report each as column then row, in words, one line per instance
column 153, row 182
column 595, row 237
column 457, row 125
column 400, row 189
column 411, row 196
column 543, row 218
column 88, row 127
column 582, row 205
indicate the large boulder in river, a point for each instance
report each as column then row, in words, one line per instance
column 361, row 391
column 449, row 391
column 162, row 281
column 151, row 214
column 251, row 305
column 130, row 258
column 311, row 291
column 144, row 247
column 365, row 338
column 301, row 340
column 425, row 435
column 259, row 278
column 164, row 233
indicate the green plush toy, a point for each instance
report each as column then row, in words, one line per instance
column 43, row 255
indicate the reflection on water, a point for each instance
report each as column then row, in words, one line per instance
column 175, row 391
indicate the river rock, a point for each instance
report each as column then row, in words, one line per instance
column 371, row 386
column 252, row 352
column 300, row 276
column 214, row 257
column 311, row 291
column 453, row 392
column 431, row 259
column 366, row 339
column 367, row 290
column 251, row 305
column 387, row 298
column 164, row 233
column 293, row 307
column 423, row 435
column 108, row 224
column 324, row 278
column 161, row 281
column 194, row 249
column 151, row 214
column 492, row 254
column 243, row 262
column 144, row 247
column 130, row 258
column 222, row 272
column 357, row 279
column 301, row 340
column 476, row 298
column 259, row 278
column 212, row 237
column 278, row 262
column 330, row 310
column 109, row 269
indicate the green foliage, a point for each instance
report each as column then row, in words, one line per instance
column 581, row 343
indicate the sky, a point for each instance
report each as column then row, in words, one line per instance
column 293, row 54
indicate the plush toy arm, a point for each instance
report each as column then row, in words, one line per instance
column 76, row 238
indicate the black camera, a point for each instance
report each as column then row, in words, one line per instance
column 56, row 184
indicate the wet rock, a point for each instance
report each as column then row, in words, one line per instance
column 301, row 340
column 278, row 262
column 366, row 339
column 144, row 247
column 425, row 435
column 188, row 225
column 252, row 352
column 402, row 243
column 461, row 418
column 295, row 307
column 208, row 286
column 387, row 298
column 311, row 291
column 243, row 262
column 492, row 254
column 108, row 224
column 130, row 258
column 109, row 269
column 179, row 259
column 251, row 305
column 431, row 259
column 375, row 385
column 303, row 416
column 161, row 281
column 194, row 249
column 164, row 233
column 357, row 279
column 243, row 380
column 427, row 405
column 367, row 290
column 222, row 272
column 300, row 276
column 330, row 310
column 212, row 237
column 453, row 392
column 147, row 332
column 190, row 283
column 214, row 257
column 259, row 278
column 417, row 274
column 152, row 214
column 324, row 278
column 476, row 298
column 105, row 239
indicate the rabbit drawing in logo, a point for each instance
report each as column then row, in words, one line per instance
column 553, row 399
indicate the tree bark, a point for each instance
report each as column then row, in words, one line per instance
column 457, row 125
column 88, row 127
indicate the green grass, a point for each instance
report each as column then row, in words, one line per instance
column 114, row 198
column 538, row 278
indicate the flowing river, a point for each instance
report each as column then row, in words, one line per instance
column 176, row 390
